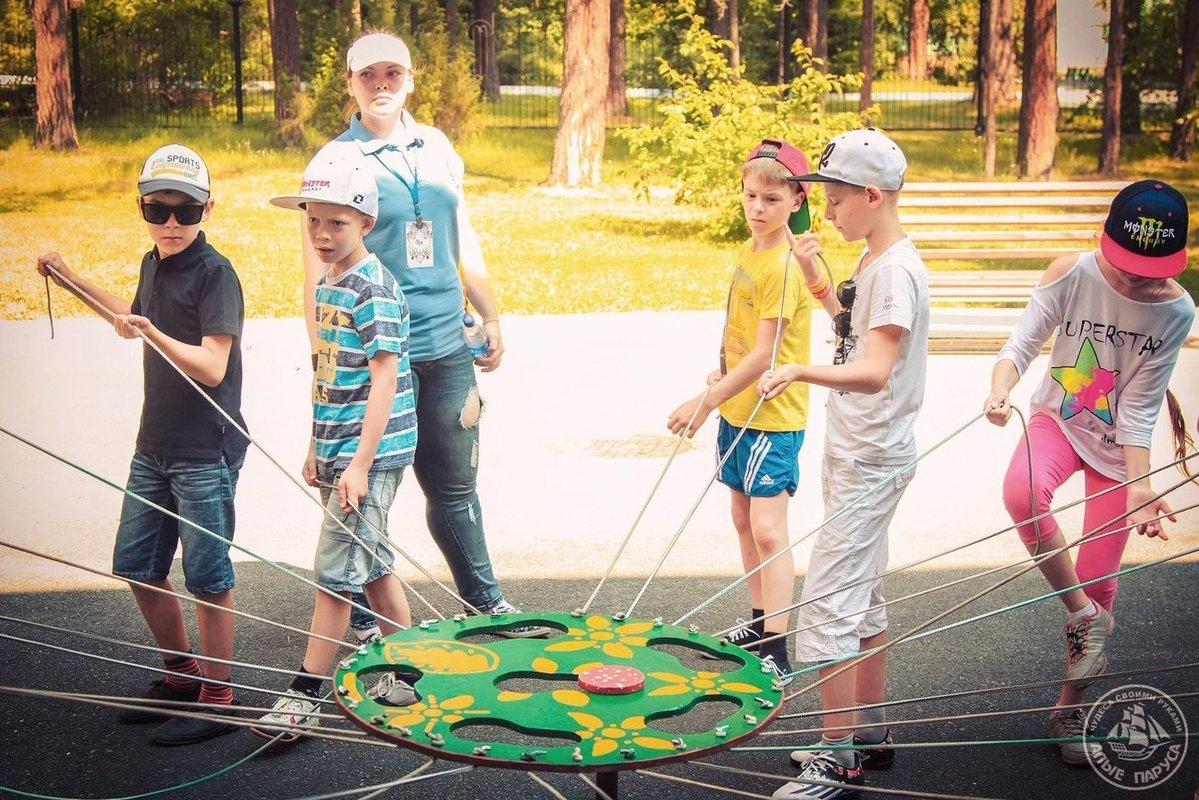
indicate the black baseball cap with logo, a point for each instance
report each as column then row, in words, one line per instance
column 1145, row 232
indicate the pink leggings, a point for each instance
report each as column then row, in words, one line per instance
column 1053, row 461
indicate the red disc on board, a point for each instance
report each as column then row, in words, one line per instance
column 611, row 679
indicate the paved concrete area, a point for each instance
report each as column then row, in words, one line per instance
column 572, row 445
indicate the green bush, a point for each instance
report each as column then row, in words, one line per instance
column 716, row 117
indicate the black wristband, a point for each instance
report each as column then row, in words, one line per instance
column 314, row 362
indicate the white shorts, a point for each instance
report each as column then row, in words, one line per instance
column 850, row 551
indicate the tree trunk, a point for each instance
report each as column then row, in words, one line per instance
column 722, row 21
column 1005, row 54
column 989, row 83
column 55, row 127
column 453, row 27
column 821, row 46
column 1182, row 136
column 783, row 37
column 354, row 15
column 918, row 22
column 864, row 98
column 483, row 32
column 813, row 28
column 285, row 66
column 618, row 103
column 1130, row 87
column 1109, row 143
column 579, row 145
column 1037, row 140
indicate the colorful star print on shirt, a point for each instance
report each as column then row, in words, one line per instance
column 1087, row 384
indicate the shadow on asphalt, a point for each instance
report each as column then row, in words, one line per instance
column 57, row 748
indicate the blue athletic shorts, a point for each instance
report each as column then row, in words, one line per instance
column 763, row 463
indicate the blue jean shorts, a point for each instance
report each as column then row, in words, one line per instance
column 199, row 491
column 346, row 564
column 763, row 464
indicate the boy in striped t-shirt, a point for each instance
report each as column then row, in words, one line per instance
column 364, row 431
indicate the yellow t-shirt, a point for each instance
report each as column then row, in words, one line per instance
column 757, row 293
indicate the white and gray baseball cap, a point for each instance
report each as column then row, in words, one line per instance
column 865, row 157
column 340, row 183
column 175, row 167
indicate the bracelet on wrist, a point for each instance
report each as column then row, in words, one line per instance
column 824, row 291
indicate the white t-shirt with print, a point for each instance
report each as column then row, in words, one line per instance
column 879, row 428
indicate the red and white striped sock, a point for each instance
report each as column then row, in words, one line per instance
column 216, row 694
column 183, row 671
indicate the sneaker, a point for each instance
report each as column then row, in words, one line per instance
column 743, row 636
column 392, row 690
column 525, row 632
column 1072, row 725
column 294, row 710
column 364, row 635
column 192, row 730
column 1086, row 648
column 159, row 690
column 870, row 755
column 835, row 780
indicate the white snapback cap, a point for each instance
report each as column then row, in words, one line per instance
column 865, row 157
column 339, row 183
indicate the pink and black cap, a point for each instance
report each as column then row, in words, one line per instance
column 797, row 164
column 1146, row 230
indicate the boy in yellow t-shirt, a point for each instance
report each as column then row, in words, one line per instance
column 767, row 323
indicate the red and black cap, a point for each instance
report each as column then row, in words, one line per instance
column 1146, row 230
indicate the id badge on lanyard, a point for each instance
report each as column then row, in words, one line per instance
column 418, row 233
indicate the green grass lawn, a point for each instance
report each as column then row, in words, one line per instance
column 548, row 251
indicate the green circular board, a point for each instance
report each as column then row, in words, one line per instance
column 460, row 686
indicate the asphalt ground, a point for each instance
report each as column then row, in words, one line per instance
column 572, row 442
column 68, row 749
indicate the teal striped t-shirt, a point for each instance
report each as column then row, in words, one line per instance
column 359, row 314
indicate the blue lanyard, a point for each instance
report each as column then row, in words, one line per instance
column 414, row 187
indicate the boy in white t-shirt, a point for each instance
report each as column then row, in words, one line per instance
column 877, row 383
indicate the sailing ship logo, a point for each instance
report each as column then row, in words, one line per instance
column 1141, row 736
column 1137, row 736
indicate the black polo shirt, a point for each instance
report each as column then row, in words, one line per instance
column 189, row 296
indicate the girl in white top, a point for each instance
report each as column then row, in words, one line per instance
column 1119, row 319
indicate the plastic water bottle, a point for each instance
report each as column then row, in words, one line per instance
column 475, row 336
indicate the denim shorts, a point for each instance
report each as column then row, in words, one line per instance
column 763, row 464
column 199, row 491
column 344, row 564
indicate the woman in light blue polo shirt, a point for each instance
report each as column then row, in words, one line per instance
column 422, row 235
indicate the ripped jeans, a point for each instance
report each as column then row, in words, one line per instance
column 447, row 465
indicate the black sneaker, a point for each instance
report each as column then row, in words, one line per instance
column 159, row 690
column 835, row 780
column 743, row 636
column 192, row 730
column 870, row 755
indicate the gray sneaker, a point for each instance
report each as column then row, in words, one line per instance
column 1086, row 648
column 391, row 690
column 1072, row 725
column 524, row 632
column 291, row 715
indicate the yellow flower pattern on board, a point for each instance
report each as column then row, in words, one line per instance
column 606, row 737
column 702, row 683
column 615, row 642
column 442, row 656
column 430, row 712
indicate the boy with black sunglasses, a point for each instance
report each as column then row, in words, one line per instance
column 877, row 383
column 188, row 456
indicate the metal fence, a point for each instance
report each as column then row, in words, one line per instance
column 177, row 66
